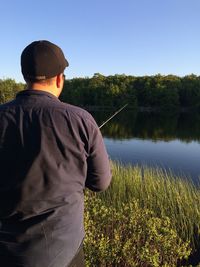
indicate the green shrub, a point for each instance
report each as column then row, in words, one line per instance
column 8, row 89
column 129, row 236
column 161, row 192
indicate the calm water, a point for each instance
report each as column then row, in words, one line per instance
column 167, row 141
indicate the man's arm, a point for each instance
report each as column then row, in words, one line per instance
column 98, row 173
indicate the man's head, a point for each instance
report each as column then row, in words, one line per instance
column 42, row 62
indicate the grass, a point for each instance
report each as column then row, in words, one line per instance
column 159, row 191
column 160, row 194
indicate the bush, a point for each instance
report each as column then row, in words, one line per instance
column 8, row 89
column 129, row 236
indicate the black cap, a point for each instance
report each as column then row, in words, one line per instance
column 42, row 60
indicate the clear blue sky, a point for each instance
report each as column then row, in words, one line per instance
column 133, row 37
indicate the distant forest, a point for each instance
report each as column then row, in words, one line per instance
column 154, row 92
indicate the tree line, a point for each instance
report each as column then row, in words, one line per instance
column 158, row 91
column 165, row 92
column 8, row 89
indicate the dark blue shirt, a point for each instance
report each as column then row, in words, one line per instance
column 49, row 152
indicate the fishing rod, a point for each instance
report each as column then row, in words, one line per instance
column 112, row 116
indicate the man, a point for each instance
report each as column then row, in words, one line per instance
column 49, row 152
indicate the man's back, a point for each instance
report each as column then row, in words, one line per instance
column 49, row 151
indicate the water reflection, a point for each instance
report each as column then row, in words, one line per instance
column 151, row 126
column 169, row 141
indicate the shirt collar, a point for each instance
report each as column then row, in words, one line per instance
column 30, row 92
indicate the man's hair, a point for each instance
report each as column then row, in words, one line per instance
column 42, row 82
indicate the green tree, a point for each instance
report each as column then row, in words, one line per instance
column 8, row 89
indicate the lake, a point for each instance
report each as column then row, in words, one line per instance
column 169, row 141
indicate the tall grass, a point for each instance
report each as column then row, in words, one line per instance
column 153, row 190
column 160, row 191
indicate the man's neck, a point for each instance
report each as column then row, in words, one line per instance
column 45, row 88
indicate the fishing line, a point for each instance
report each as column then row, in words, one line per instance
column 112, row 116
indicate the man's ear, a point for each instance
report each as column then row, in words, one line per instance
column 59, row 80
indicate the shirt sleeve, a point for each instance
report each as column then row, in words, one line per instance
column 98, row 172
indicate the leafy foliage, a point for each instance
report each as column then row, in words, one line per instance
column 147, row 217
column 8, row 89
column 163, row 92
column 130, row 236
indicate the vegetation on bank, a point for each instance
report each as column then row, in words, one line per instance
column 8, row 89
column 158, row 91
column 147, row 217
column 164, row 92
